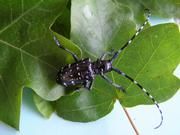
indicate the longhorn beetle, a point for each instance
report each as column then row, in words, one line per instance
column 82, row 72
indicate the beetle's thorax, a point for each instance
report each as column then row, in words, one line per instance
column 101, row 66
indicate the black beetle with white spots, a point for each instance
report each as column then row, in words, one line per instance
column 82, row 72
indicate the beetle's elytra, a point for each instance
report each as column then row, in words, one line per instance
column 83, row 72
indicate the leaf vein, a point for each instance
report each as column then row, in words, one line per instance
column 22, row 15
column 25, row 70
column 28, row 54
column 154, row 51
column 86, row 108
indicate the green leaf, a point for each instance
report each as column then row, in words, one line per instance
column 94, row 24
column 28, row 55
column 86, row 35
column 160, row 8
column 84, row 106
column 164, row 8
column 46, row 108
column 30, row 58
column 151, row 60
column 99, row 26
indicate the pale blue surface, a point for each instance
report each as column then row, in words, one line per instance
column 115, row 123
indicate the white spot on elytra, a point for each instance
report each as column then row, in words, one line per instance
column 72, row 82
column 64, row 84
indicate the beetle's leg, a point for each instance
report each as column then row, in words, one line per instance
column 67, row 50
column 112, row 83
column 143, row 89
column 116, row 54
column 110, row 53
column 88, row 84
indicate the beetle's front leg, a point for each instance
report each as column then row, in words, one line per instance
column 88, row 84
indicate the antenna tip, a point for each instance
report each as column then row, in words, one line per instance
column 159, row 124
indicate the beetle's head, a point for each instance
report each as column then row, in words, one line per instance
column 102, row 66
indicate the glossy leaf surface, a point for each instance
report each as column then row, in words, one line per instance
column 28, row 55
column 150, row 60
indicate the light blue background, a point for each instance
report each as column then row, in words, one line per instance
column 115, row 123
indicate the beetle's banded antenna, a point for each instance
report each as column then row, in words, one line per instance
column 133, row 37
column 67, row 50
column 144, row 90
